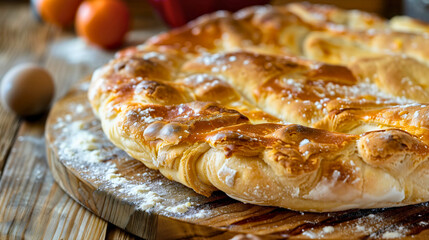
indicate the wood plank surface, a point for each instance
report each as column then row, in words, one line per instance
column 32, row 206
column 29, row 195
column 16, row 47
column 115, row 233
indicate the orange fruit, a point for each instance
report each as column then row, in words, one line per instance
column 58, row 12
column 103, row 22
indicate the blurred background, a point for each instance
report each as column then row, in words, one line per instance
column 387, row 8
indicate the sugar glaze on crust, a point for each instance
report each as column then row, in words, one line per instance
column 246, row 104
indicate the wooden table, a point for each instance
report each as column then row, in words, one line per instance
column 32, row 206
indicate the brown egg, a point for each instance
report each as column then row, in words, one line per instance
column 27, row 89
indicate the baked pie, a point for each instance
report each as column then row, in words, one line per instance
column 306, row 107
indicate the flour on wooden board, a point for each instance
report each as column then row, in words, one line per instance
column 82, row 145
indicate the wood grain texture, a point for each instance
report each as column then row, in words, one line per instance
column 8, row 127
column 115, row 233
column 224, row 217
column 20, row 41
column 32, row 205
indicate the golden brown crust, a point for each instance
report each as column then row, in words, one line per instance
column 407, row 24
column 387, row 71
column 211, row 105
column 331, row 16
column 345, row 47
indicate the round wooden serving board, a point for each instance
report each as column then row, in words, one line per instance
column 124, row 192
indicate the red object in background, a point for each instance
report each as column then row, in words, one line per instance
column 178, row 12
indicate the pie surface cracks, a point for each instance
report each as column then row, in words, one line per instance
column 232, row 103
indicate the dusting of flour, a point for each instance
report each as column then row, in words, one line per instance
column 83, row 146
